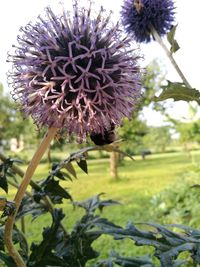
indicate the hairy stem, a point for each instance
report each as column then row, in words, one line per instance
column 22, row 220
column 170, row 56
column 20, row 194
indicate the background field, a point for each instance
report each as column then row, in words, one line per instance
column 139, row 182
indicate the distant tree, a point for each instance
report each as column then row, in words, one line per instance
column 189, row 133
column 185, row 131
column 189, row 129
column 158, row 138
column 7, row 115
column 152, row 82
column 11, row 122
column 133, row 131
column 196, row 131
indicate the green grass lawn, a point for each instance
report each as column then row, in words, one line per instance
column 139, row 181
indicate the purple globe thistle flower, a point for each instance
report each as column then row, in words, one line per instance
column 139, row 16
column 75, row 73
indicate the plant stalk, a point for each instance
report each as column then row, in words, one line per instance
column 170, row 56
column 20, row 194
column 22, row 220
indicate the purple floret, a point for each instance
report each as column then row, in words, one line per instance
column 75, row 72
column 139, row 16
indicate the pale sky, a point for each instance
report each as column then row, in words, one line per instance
column 17, row 13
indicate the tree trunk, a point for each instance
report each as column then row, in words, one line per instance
column 113, row 165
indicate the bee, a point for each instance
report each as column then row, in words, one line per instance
column 106, row 138
column 138, row 5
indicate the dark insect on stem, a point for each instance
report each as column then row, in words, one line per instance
column 106, row 138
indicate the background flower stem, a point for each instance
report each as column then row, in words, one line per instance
column 170, row 56
column 20, row 194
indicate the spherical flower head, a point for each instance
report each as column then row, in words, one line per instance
column 75, row 72
column 139, row 16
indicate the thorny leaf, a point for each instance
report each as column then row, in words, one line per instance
column 178, row 91
column 77, row 249
column 18, row 238
column 53, row 189
column 70, row 169
column 170, row 37
column 8, row 208
column 30, row 205
column 144, row 261
column 44, row 253
column 6, row 171
column 94, row 203
column 7, row 260
column 168, row 244
column 58, row 173
column 83, row 165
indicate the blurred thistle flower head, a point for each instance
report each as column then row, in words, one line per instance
column 139, row 16
column 75, row 72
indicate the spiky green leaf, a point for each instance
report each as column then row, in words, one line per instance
column 171, row 39
column 178, row 91
column 82, row 163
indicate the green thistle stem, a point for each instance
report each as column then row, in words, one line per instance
column 169, row 55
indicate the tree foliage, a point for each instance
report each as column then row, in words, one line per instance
column 133, row 131
column 12, row 124
column 158, row 138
